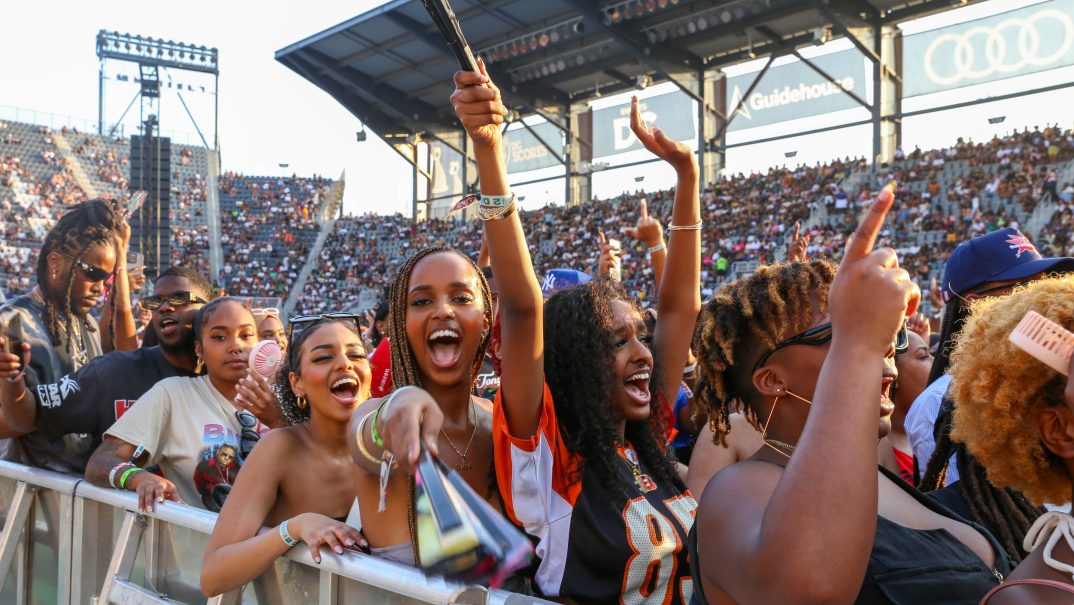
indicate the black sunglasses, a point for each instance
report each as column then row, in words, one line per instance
column 177, row 299
column 248, row 436
column 94, row 274
column 304, row 320
column 822, row 334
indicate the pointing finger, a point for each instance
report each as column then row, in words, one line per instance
column 861, row 242
column 797, row 226
column 644, row 208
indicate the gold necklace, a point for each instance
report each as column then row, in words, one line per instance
column 644, row 482
column 463, row 464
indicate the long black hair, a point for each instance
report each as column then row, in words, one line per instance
column 285, row 395
column 579, row 362
column 89, row 224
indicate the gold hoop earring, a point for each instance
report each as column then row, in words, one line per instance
column 301, row 402
column 198, row 367
column 773, row 443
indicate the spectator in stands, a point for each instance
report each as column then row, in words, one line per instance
column 986, row 266
column 53, row 325
column 439, row 325
column 183, row 421
column 781, row 348
column 300, row 478
column 1013, row 416
column 270, row 327
column 579, row 435
column 92, row 398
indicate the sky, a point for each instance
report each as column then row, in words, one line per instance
column 270, row 116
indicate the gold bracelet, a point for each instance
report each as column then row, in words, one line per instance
column 360, row 439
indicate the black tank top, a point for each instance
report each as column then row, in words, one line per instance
column 912, row 566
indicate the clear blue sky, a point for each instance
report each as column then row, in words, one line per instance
column 269, row 115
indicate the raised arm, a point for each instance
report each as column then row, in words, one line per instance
column 479, row 107
column 650, row 233
column 680, row 286
column 123, row 334
column 823, row 506
column 18, row 408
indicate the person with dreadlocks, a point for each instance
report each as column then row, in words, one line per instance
column 581, row 455
column 438, row 328
column 57, row 334
column 805, row 352
column 990, row 265
column 1015, row 419
column 299, row 479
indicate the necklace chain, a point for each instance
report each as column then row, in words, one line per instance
column 773, row 443
column 463, row 464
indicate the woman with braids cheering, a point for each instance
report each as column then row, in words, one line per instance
column 586, row 391
column 806, row 353
column 299, row 478
column 86, row 247
column 439, row 320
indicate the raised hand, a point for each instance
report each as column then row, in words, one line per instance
column 320, row 531
column 478, row 106
column 657, row 142
column 797, row 245
column 919, row 324
column 12, row 365
column 608, row 264
column 871, row 295
column 648, row 230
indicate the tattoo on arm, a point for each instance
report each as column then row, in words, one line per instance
column 110, row 453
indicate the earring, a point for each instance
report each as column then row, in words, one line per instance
column 198, row 367
column 301, row 402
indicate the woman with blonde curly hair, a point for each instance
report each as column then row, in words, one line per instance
column 1010, row 415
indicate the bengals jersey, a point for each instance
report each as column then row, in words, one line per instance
column 594, row 547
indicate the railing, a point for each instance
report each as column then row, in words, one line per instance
column 66, row 541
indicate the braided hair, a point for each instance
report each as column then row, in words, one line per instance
column 89, row 224
column 747, row 317
column 405, row 369
column 579, row 362
column 285, row 395
column 954, row 317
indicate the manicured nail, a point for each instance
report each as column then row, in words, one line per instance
column 338, row 550
column 317, row 560
column 349, row 542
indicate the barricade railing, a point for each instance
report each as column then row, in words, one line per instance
column 66, row 541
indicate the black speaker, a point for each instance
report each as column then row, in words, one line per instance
column 150, row 165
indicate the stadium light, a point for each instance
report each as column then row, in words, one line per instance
column 139, row 49
column 997, row 120
column 639, row 179
column 790, row 154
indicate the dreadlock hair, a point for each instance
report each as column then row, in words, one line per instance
column 954, row 316
column 405, row 369
column 285, row 395
column 196, row 279
column 91, row 223
column 579, row 362
column 746, row 318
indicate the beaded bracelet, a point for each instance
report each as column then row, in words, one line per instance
column 287, row 539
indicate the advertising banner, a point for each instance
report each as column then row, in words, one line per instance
column 524, row 152
column 446, row 171
column 674, row 112
column 795, row 90
column 1019, row 42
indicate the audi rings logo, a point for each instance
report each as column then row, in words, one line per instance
column 1005, row 47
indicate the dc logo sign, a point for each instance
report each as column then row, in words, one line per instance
column 1002, row 49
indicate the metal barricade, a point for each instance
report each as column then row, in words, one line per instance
column 65, row 541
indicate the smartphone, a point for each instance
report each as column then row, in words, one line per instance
column 135, row 202
column 444, row 18
column 12, row 345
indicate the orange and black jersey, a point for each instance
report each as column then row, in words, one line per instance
column 594, row 547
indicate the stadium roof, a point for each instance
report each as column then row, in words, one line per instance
column 391, row 68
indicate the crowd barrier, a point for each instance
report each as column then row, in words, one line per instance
column 65, row 541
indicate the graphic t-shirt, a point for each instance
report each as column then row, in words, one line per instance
column 594, row 547
column 91, row 399
column 487, row 382
column 23, row 319
column 192, row 432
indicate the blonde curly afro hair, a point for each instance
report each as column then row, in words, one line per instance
column 998, row 388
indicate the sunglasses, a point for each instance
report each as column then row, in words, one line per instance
column 176, row 300
column 94, row 274
column 247, row 436
column 821, row 335
column 269, row 311
column 305, row 320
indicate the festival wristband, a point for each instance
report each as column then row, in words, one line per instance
column 657, row 248
column 287, row 539
column 498, row 201
column 383, row 409
column 127, row 473
column 112, row 474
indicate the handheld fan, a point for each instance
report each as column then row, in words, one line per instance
column 266, row 357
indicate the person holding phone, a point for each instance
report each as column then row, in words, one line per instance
column 805, row 351
column 84, row 249
column 586, row 391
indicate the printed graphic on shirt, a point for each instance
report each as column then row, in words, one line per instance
column 218, row 466
column 122, row 405
column 52, row 395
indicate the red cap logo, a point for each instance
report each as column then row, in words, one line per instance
column 1021, row 244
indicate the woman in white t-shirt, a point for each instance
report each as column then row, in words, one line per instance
column 301, row 478
column 188, row 426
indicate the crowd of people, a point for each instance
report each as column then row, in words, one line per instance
column 660, row 430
